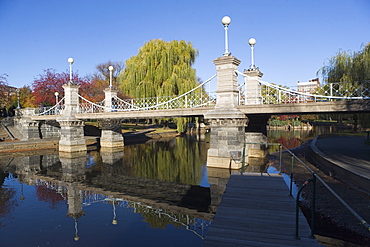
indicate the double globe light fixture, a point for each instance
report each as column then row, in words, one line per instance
column 226, row 20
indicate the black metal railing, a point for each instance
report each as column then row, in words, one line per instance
column 312, row 180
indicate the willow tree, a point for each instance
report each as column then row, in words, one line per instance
column 353, row 70
column 347, row 67
column 160, row 69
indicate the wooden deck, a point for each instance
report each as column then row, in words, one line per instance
column 256, row 210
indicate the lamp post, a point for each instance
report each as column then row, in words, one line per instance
column 252, row 42
column 56, row 102
column 70, row 61
column 56, row 97
column 19, row 106
column 226, row 21
column 110, row 75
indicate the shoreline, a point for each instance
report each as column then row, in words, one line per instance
column 18, row 146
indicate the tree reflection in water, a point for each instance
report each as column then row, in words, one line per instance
column 157, row 180
column 175, row 160
column 7, row 199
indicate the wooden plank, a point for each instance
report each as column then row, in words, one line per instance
column 256, row 210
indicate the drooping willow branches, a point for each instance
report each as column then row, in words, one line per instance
column 348, row 67
column 160, row 69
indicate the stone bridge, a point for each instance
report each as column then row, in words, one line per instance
column 233, row 119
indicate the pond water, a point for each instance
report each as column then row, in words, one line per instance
column 151, row 194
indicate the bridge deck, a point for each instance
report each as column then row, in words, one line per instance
column 256, row 211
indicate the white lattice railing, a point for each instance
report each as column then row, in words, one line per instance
column 263, row 93
column 57, row 109
column 268, row 93
column 197, row 97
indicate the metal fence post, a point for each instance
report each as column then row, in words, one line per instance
column 313, row 206
column 281, row 153
column 297, row 208
column 291, row 177
column 243, row 159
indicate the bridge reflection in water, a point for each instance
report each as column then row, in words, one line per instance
column 165, row 182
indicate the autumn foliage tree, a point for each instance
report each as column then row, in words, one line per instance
column 45, row 85
column 94, row 89
column 3, row 83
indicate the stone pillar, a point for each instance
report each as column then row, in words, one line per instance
column 226, row 121
column 28, row 128
column 70, row 100
column 111, row 135
column 109, row 94
column 252, row 87
column 72, row 139
column 227, row 82
column 256, row 131
column 258, row 153
column 226, row 143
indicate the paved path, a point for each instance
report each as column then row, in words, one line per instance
column 256, row 211
column 349, row 151
column 349, row 155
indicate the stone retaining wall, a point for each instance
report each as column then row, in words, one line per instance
column 332, row 168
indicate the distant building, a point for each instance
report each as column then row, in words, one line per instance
column 6, row 92
column 308, row 87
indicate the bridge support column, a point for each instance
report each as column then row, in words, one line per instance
column 226, row 143
column 226, row 121
column 111, row 135
column 72, row 138
column 109, row 94
column 252, row 87
column 257, row 149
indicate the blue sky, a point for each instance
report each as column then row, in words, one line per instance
column 294, row 38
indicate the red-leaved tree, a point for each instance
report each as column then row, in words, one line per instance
column 45, row 86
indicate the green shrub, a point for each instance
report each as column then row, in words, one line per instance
column 296, row 123
column 277, row 122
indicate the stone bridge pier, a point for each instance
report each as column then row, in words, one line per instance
column 226, row 121
column 256, row 131
column 72, row 138
column 111, row 135
column 230, row 128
